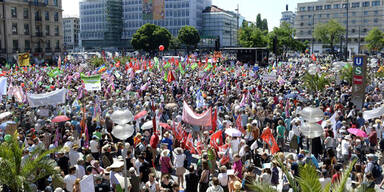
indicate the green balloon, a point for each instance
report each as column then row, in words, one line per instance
column 7, row 137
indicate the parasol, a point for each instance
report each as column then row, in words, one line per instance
column 140, row 115
column 233, row 132
column 147, row 125
column 170, row 106
column 60, row 118
column 357, row 132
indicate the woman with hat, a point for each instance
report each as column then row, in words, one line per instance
column 165, row 162
column 179, row 158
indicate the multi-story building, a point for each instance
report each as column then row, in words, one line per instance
column 219, row 24
column 71, row 27
column 112, row 23
column 33, row 26
column 288, row 17
column 363, row 15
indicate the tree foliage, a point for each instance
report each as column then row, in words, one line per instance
column 189, row 36
column 329, row 33
column 346, row 73
column 18, row 175
column 262, row 24
column 96, row 61
column 251, row 36
column 375, row 39
column 285, row 39
column 315, row 82
column 149, row 37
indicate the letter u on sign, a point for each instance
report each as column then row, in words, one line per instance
column 358, row 61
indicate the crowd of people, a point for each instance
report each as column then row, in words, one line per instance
column 255, row 125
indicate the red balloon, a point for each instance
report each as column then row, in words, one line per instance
column 52, row 86
column 161, row 47
column 22, row 85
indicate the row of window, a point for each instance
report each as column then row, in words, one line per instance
column 365, row 13
column 27, row 44
column 37, row 14
column 353, row 31
column 338, row 6
column 46, row 2
column 92, row 19
column 38, row 30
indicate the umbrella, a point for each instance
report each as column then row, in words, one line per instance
column 123, row 132
column 5, row 124
column 311, row 130
column 312, row 115
column 233, row 132
column 121, row 117
column 5, row 115
column 60, row 118
column 147, row 125
column 140, row 115
column 170, row 105
column 291, row 96
column 165, row 126
column 357, row 132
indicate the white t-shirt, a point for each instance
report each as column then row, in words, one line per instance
column 235, row 146
column 94, row 146
column 345, row 145
column 137, row 165
column 69, row 181
column 80, row 171
column 179, row 160
column 151, row 186
column 266, row 178
column 223, row 179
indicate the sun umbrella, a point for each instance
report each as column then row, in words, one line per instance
column 357, row 132
column 4, row 125
column 233, row 132
column 123, row 132
column 5, row 115
column 170, row 106
column 60, row 118
column 311, row 130
column 140, row 115
column 147, row 125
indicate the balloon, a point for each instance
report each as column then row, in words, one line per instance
column 123, row 132
column 7, row 137
column 122, row 117
column 22, row 85
column 161, row 47
column 52, row 86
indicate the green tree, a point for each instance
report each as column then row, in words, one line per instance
column 264, row 26
column 259, row 21
column 189, row 36
column 285, row 39
column 18, row 175
column 149, row 37
column 96, row 61
column 329, row 33
column 316, row 82
column 174, row 44
column 346, row 73
column 251, row 36
column 375, row 39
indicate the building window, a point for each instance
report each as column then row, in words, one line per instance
column 310, row 8
column 326, row 7
column 375, row 20
column 14, row 28
column 319, row 7
column 375, row 3
column 365, row 13
column 366, row 4
column 345, row 5
column 56, row 30
column 355, row 5
column 26, row 29
column 47, row 30
column 56, row 16
column 57, row 44
column 353, row 21
column 302, row 8
column 353, row 30
column 15, row 45
column 309, row 32
column 55, row 2
column 27, row 45
column 353, row 13
column 13, row 12
column 336, row 6
column 26, row 13
column 47, row 16
column 364, row 30
column 48, row 44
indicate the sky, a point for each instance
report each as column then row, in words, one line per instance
column 269, row 9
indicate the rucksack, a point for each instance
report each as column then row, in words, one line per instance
column 376, row 170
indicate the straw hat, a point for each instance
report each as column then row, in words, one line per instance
column 116, row 164
column 179, row 151
column 165, row 152
column 237, row 185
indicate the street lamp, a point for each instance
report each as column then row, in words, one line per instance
column 123, row 131
column 346, row 34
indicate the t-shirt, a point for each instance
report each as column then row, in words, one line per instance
column 144, row 170
column 69, row 181
column 94, row 146
column 345, row 147
column 168, row 141
column 280, row 131
column 336, row 177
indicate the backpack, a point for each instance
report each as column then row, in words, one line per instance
column 376, row 170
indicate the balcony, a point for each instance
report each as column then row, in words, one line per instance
column 39, row 34
column 48, row 49
column 38, row 19
column 40, row 4
column 38, row 50
column 27, row 50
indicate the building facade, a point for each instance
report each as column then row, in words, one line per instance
column 71, row 27
column 363, row 15
column 33, row 26
column 112, row 23
column 219, row 24
column 288, row 17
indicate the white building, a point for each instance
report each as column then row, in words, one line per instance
column 71, row 27
column 288, row 17
column 363, row 15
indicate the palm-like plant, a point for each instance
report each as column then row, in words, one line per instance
column 18, row 175
column 346, row 73
column 315, row 82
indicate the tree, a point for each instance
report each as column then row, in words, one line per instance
column 149, row 37
column 96, row 61
column 262, row 24
column 316, row 82
column 329, row 33
column 174, row 44
column 285, row 39
column 346, row 73
column 375, row 40
column 18, row 175
column 251, row 36
column 189, row 36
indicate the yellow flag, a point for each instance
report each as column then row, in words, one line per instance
column 380, row 69
column 24, row 59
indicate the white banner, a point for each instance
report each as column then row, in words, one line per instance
column 269, row 77
column 87, row 184
column 51, row 98
column 374, row 113
column 3, row 86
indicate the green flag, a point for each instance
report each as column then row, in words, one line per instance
column 54, row 73
column 92, row 83
column 194, row 66
column 181, row 69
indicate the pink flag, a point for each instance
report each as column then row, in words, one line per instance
column 189, row 116
column 140, row 115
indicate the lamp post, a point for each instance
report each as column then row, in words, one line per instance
column 346, row 34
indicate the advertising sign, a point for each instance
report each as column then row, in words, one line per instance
column 359, row 81
column 153, row 9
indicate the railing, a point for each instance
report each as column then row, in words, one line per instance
column 38, row 50
column 41, row 4
column 48, row 49
column 2, row 50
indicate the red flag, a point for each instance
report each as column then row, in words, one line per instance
column 165, row 126
column 238, row 124
column 224, row 153
column 189, row 144
column 199, row 145
column 214, row 120
column 313, row 57
column 270, row 140
column 170, row 76
column 216, row 140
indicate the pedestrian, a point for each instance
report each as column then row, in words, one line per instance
column 204, row 178
column 215, row 186
column 179, row 158
column 191, row 180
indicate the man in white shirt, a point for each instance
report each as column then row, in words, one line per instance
column 70, row 179
column 74, row 155
column 80, row 170
column 94, row 145
column 345, row 148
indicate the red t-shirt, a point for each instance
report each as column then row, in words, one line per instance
column 336, row 177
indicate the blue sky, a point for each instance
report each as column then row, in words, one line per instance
column 270, row 9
